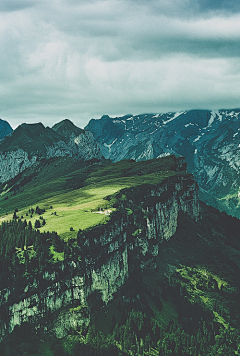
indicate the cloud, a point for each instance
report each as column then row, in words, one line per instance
column 229, row 6
column 14, row 5
column 80, row 60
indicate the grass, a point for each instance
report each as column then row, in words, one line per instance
column 57, row 256
column 70, row 209
column 53, row 184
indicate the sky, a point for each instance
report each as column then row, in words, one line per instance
column 80, row 59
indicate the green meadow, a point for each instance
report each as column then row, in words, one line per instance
column 73, row 194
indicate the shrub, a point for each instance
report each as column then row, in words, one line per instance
column 37, row 224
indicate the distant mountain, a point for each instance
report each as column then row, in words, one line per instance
column 5, row 128
column 210, row 141
column 67, row 129
column 30, row 142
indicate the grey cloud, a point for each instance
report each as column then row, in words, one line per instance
column 219, row 5
column 15, row 5
column 115, row 33
column 80, row 59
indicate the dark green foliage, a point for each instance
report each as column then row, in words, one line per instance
column 138, row 335
column 39, row 211
column 37, row 224
column 24, row 250
column 137, row 326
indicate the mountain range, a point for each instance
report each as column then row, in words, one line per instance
column 30, row 142
column 210, row 141
column 118, row 259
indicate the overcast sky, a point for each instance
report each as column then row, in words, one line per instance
column 81, row 59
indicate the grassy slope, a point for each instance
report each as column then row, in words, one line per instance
column 53, row 184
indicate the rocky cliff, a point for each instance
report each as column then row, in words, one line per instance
column 59, row 298
column 31, row 142
column 209, row 140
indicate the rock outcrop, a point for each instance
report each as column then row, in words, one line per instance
column 145, row 216
column 209, row 140
column 29, row 143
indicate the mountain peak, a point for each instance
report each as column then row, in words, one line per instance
column 29, row 137
column 67, row 128
column 5, row 128
column 31, row 142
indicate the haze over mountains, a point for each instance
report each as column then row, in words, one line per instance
column 209, row 140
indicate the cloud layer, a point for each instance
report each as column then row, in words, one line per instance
column 78, row 60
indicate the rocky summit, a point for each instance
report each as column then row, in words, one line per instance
column 209, row 140
column 31, row 142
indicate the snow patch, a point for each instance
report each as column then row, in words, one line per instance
column 212, row 118
column 174, row 117
column 198, row 138
column 165, row 154
column 109, row 146
column 153, row 132
column 219, row 116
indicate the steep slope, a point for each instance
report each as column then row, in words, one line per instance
column 5, row 128
column 209, row 140
column 159, row 274
column 31, row 142
column 144, row 204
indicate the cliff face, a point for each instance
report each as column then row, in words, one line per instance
column 145, row 216
column 29, row 143
column 82, row 147
column 14, row 162
column 208, row 139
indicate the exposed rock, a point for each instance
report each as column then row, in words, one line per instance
column 142, row 221
column 28, row 143
column 209, row 140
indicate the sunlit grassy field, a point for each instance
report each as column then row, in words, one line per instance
column 53, row 188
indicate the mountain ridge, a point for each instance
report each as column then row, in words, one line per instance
column 30, row 142
column 5, row 128
column 66, row 128
column 208, row 139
